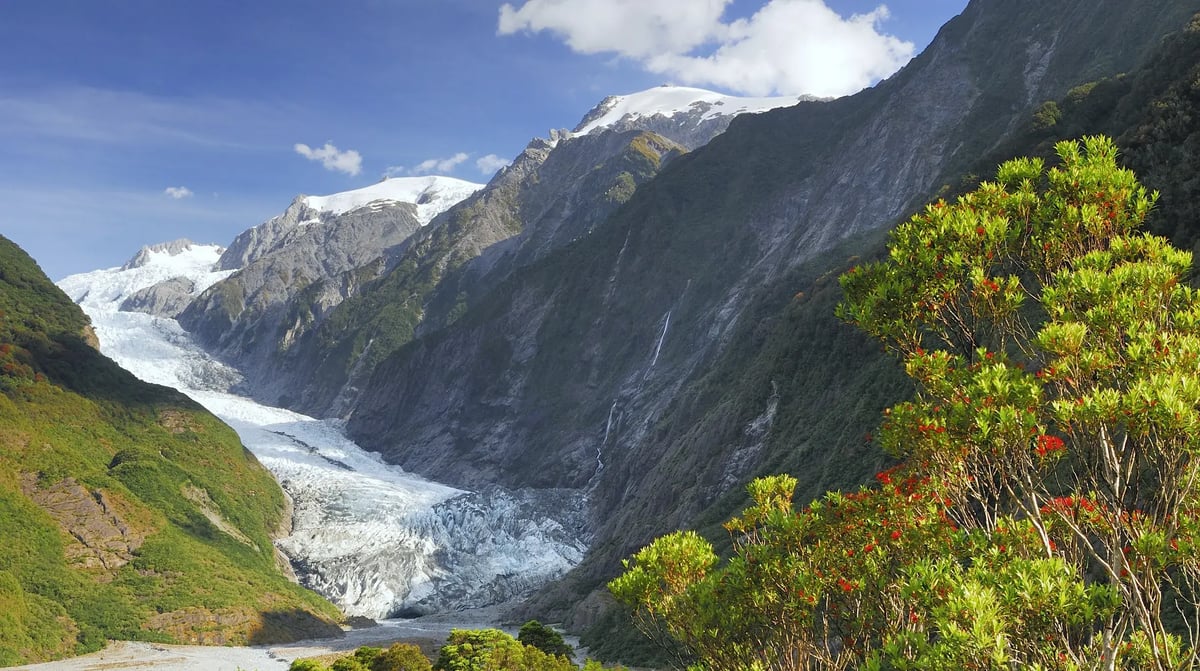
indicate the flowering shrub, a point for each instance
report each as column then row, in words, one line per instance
column 1046, row 515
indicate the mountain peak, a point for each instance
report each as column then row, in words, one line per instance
column 668, row 101
column 431, row 194
column 147, row 252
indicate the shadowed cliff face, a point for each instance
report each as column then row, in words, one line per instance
column 554, row 192
column 580, row 369
column 245, row 318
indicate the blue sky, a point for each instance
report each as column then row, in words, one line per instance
column 129, row 122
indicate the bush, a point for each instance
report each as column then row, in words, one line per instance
column 545, row 639
column 401, row 657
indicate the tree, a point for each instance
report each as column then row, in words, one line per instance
column 1049, row 482
column 401, row 657
column 494, row 650
column 1055, row 352
column 545, row 639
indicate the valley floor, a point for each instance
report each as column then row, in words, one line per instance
column 428, row 632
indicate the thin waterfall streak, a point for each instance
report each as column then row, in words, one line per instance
column 661, row 338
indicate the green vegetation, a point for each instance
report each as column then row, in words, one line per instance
column 545, row 639
column 1044, row 513
column 129, row 512
column 465, row 650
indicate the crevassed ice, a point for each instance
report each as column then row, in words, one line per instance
column 375, row 540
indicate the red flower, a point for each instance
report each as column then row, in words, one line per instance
column 896, row 535
column 1048, row 444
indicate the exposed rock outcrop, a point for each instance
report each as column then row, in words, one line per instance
column 101, row 539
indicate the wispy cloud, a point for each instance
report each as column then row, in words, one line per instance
column 178, row 192
column 488, row 165
column 80, row 113
column 787, row 47
column 87, row 227
column 430, row 166
column 349, row 161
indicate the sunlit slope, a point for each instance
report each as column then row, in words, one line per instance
column 127, row 511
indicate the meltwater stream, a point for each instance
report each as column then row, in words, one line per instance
column 375, row 540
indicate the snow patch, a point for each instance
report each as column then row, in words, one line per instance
column 670, row 100
column 431, row 194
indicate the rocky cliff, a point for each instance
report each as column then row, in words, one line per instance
column 288, row 271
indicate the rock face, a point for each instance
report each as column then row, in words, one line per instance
column 250, row 314
column 165, row 299
column 576, row 355
column 101, row 540
column 554, row 192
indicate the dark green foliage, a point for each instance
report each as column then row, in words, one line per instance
column 401, row 657
column 1151, row 113
column 494, row 650
column 545, row 639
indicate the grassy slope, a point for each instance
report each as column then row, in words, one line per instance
column 69, row 415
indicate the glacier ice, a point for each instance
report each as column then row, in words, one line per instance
column 375, row 540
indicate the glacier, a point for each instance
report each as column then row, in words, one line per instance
column 375, row 540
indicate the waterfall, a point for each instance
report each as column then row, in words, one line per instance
column 661, row 338
column 608, row 425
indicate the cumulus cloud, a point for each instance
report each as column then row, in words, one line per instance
column 489, row 164
column 178, row 192
column 349, row 161
column 788, row 47
column 634, row 28
column 430, row 166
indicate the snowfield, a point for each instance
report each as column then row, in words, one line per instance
column 670, row 100
column 375, row 540
column 432, row 195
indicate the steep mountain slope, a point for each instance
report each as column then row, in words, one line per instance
column 305, row 351
column 689, row 116
column 246, row 317
column 128, row 511
column 628, row 313
column 553, row 192
column 600, row 366
column 827, row 380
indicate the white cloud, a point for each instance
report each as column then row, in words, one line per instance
column 178, row 192
column 634, row 28
column 349, row 161
column 489, row 164
column 430, row 166
column 788, row 47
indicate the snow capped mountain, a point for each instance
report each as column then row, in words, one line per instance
column 152, row 265
column 431, row 194
column 375, row 540
column 668, row 101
